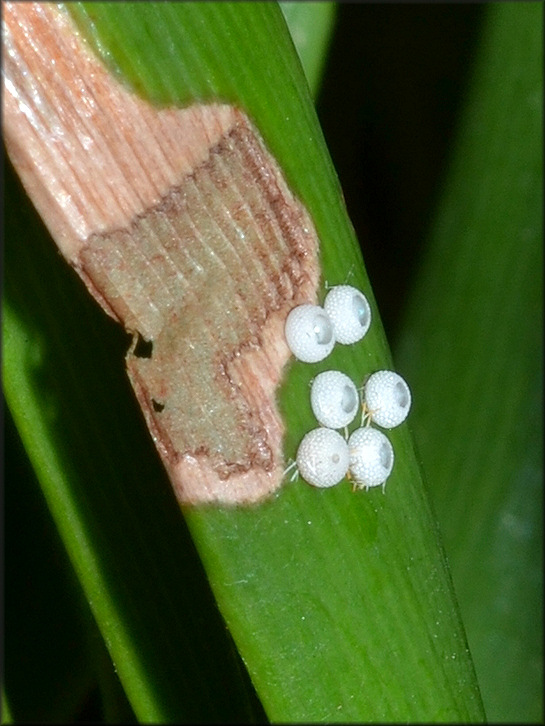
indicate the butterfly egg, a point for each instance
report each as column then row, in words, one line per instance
column 371, row 457
column 322, row 458
column 388, row 398
column 349, row 312
column 309, row 333
column 334, row 399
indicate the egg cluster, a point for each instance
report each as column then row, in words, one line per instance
column 324, row 457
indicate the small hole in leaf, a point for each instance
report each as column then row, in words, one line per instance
column 143, row 348
column 157, row 406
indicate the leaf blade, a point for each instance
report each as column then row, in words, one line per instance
column 481, row 278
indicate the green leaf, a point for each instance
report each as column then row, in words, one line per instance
column 46, row 618
column 471, row 343
column 105, row 488
column 339, row 603
column 310, row 25
column 6, row 710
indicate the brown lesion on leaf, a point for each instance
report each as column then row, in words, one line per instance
column 207, row 277
column 183, row 228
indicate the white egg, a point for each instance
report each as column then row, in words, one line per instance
column 387, row 398
column 334, row 399
column 371, row 457
column 309, row 333
column 322, row 458
column 349, row 312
